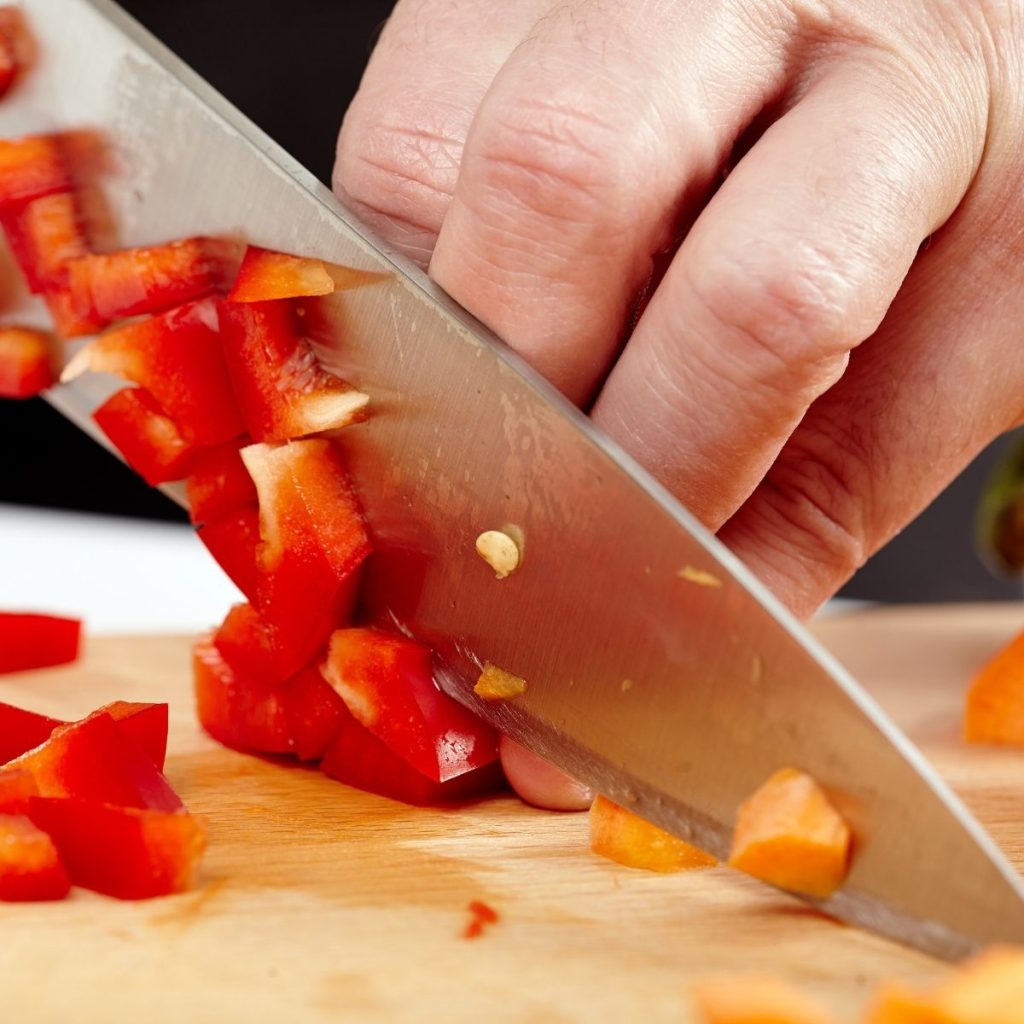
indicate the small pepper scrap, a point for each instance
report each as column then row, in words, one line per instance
column 481, row 915
column 788, row 834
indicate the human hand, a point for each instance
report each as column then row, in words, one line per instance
column 806, row 375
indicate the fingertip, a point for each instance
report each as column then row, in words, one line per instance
column 539, row 782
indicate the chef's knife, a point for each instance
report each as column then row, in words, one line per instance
column 658, row 670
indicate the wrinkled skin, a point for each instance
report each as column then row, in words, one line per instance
column 776, row 247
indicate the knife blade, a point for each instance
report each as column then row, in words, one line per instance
column 674, row 698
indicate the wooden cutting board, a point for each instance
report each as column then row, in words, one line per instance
column 320, row 903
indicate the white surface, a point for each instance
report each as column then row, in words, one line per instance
column 118, row 575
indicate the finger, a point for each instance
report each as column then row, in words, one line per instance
column 580, row 161
column 943, row 377
column 539, row 782
column 791, row 265
column 401, row 142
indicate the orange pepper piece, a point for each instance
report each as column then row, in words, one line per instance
column 626, row 838
column 789, row 834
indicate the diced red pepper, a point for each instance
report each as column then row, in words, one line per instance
column 265, row 274
column 386, row 682
column 12, row 30
column 123, row 851
column 16, row 789
column 282, row 390
column 177, row 358
column 44, row 235
column 145, row 724
column 360, row 759
column 67, row 322
column 218, row 484
column 26, row 362
column 148, row 279
column 313, row 542
column 246, row 644
column 31, row 167
column 30, row 640
column 145, row 435
column 95, row 760
column 30, row 867
column 21, row 730
column 232, row 540
column 314, row 713
column 242, row 712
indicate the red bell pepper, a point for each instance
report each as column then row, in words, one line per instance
column 29, row 640
column 26, row 362
column 21, row 730
column 12, row 32
column 218, row 484
column 313, row 543
column 177, row 358
column 31, row 167
column 246, row 644
column 30, row 867
column 147, row 279
column 16, row 788
column 282, row 390
column 95, row 760
column 125, row 852
column 265, row 274
column 360, row 759
column 242, row 712
column 232, row 539
column 314, row 712
column 386, row 682
column 67, row 322
column 146, row 724
column 145, row 435
column 44, row 235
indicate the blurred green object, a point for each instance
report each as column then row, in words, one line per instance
column 999, row 518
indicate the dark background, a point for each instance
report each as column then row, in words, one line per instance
column 293, row 67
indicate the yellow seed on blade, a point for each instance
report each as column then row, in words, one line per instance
column 499, row 551
column 701, row 577
column 497, row 684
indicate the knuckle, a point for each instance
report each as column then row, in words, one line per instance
column 547, row 159
column 401, row 165
column 783, row 309
column 816, row 505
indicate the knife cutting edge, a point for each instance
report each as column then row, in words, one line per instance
column 675, row 699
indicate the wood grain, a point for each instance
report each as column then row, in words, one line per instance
column 320, row 903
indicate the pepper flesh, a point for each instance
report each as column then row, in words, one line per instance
column 243, row 712
column 756, row 999
column 31, row 167
column 789, row 834
column 30, row 640
column 94, row 760
column 26, row 362
column 624, row 837
column 313, row 542
column 360, row 759
column 145, row 435
column 995, row 700
column 387, row 684
column 265, row 274
column 30, row 866
column 281, row 389
column 125, row 852
column 177, row 358
column 147, row 279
